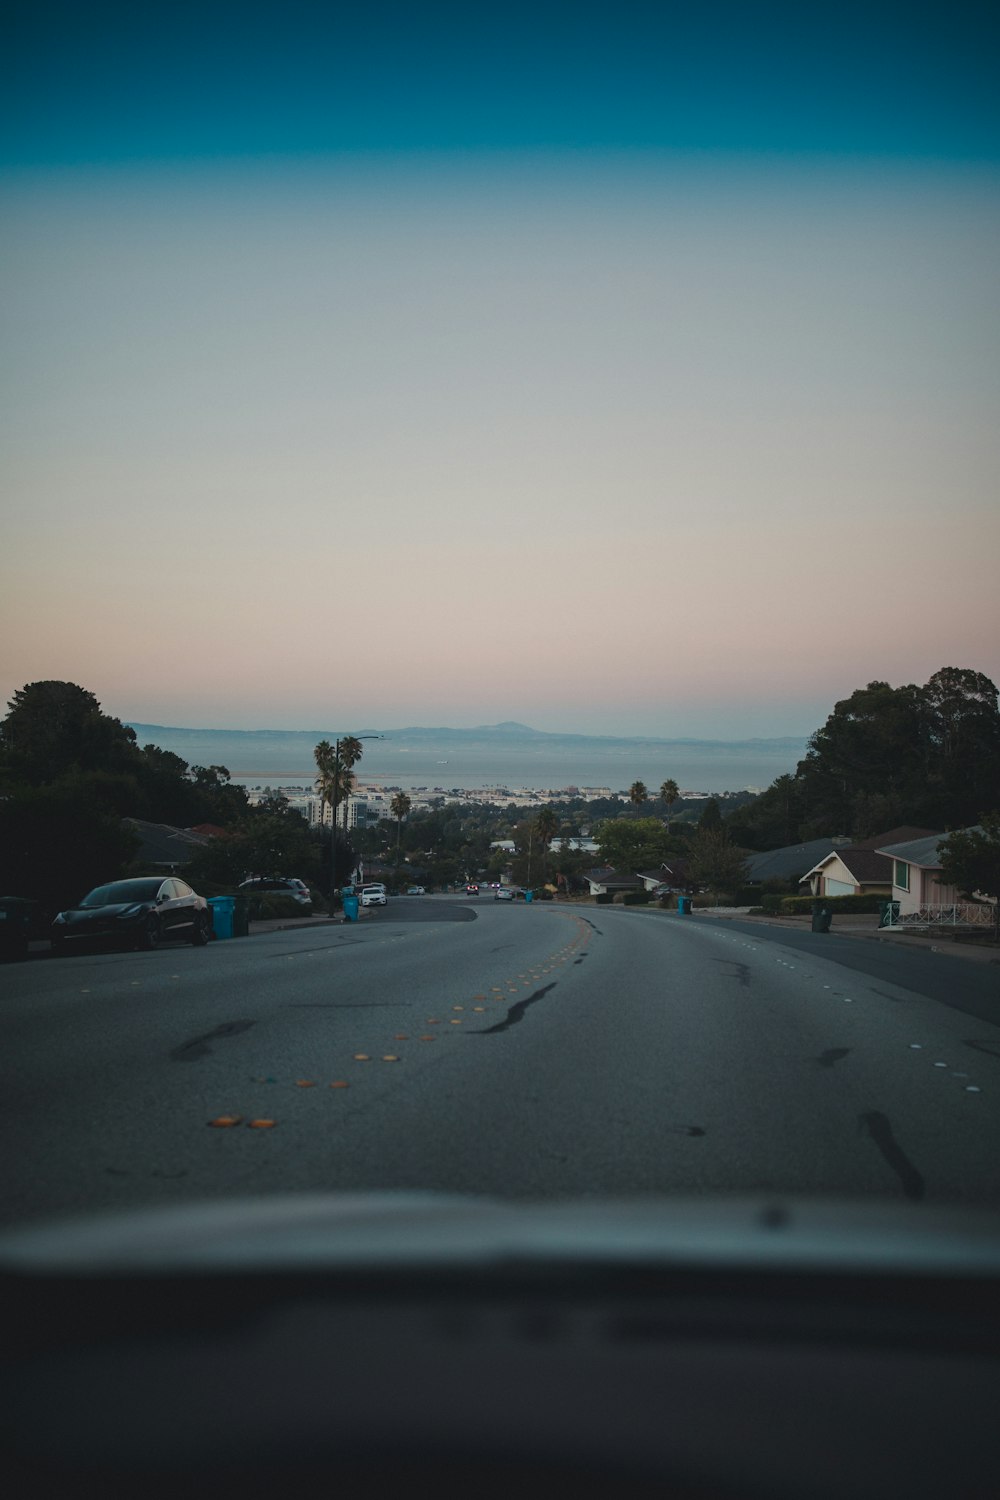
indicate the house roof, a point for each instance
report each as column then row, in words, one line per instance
column 606, row 876
column 794, row 859
column 665, row 867
column 865, row 865
column 922, row 852
column 162, row 844
column 903, row 835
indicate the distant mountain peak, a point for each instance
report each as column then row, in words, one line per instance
column 510, row 726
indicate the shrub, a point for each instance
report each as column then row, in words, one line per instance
column 635, row 898
column 604, row 898
column 771, row 903
column 265, row 906
column 797, row 906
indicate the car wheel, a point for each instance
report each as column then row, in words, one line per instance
column 149, row 936
column 199, row 932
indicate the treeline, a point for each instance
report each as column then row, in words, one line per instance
column 70, row 775
column 886, row 756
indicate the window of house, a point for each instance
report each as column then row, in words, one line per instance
column 901, row 874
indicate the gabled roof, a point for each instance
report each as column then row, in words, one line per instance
column 922, row 852
column 903, row 835
column 609, row 878
column 162, row 844
column 865, row 865
column 794, row 859
column 665, row 867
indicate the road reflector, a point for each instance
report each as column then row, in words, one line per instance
column 305, row 1083
column 361, row 1057
column 427, row 1039
column 390, row 1057
column 224, row 1122
column 400, row 1036
column 262, row 1124
column 457, row 1021
column 341, row 1083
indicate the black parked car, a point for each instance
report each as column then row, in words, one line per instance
column 138, row 913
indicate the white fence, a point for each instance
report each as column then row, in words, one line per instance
column 933, row 914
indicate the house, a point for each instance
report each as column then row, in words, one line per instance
column 858, row 869
column 604, row 879
column 916, row 867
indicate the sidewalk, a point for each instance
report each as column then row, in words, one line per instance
column 861, row 925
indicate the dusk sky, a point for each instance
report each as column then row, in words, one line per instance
column 618, row 369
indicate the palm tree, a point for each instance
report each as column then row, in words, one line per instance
column 546, row 826
column 325, row 758
column 400, row 806
column 351, row 751
column 669, row 791
column 637, row 795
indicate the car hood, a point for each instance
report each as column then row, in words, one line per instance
column 391, row 1231
column 95, row 913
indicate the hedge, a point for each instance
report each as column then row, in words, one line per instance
column 265, row 906
column 795, row 906
column 635, row 898
column 604, row 898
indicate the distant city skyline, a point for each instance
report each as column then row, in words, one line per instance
column 612, row 370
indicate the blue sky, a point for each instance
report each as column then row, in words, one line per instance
column 135, row 82
column 615, row 369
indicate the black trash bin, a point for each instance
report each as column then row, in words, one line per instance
column 241, row 917
column 822, row 917
column 15, row 926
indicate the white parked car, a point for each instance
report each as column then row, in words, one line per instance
column 373, row 895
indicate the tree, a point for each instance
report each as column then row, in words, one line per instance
column 400, row 806
column 55, row 727
column 351, row 751
column 964, row 735
column 637, row 795
column 632, row 844
column 716, row 862
column 669, row 791
column 711, row 816
column 970, row 860
column 542, row 831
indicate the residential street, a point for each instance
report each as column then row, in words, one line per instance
column 519, row 1051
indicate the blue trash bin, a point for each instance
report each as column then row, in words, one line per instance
column 350, row 908
column 222, row 915
column 684, row 905
column 529, row 895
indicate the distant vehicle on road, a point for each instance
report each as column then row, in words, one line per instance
column 415, row 890
column 472, row 890
column 503, row 893
column 277, row 885
column 374, row 895
column 138, row 913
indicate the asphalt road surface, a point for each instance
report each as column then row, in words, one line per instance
column 463, row 1045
